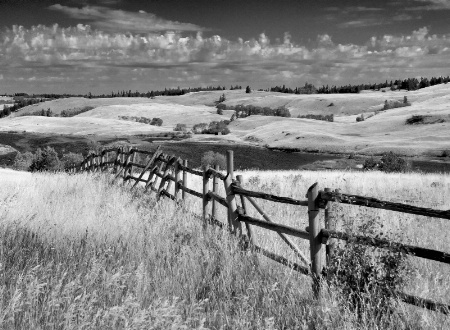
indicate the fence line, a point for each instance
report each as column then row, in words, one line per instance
column 172, row 171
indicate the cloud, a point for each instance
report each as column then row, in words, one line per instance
column 116, row 20
column 431, row 5
column 41, row 54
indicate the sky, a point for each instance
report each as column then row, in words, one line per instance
column 100, row 46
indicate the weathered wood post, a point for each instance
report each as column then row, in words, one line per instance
column 117, row 160
column 132, row 159
column 234, row 225
column 315, row 242
column 185, row 180
column 205, row 196
column 215, row 190
column 331, row 225
column 240, row 179
column 177, row 178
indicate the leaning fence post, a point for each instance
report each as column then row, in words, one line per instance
column 215, row 190
column 331, row 225
column 315, row 242
column 205, row 196
column 240, row 179
column 185, row 179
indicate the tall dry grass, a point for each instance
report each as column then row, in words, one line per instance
column 77, row 252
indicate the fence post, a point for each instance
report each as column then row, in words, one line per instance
column 240, row 179
column 315, row 242
column 329, row 224
column 215, row 190
column 183, row 193
column 177, row 178
column 133, row 157
column 234, row 225
column 205, row 196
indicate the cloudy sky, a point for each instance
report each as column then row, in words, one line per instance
column 109, row 45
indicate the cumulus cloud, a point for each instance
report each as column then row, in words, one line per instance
column 116, row 20
column 82, row 53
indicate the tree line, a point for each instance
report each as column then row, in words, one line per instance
column 409, row 84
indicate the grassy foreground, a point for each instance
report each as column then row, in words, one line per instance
column 79, row 253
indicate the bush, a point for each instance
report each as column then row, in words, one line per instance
column 70, row 159
column 46, row 160
column 389, row 162
column 370, row 164
column 211, row 158
column 156, row 122
column 445, row 153
column 367, row 279
column 180, row 128
column 360, row 118
column 23, row 161
column 416, row 119
column 396, row 104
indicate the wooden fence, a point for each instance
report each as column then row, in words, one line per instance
column 166, row 172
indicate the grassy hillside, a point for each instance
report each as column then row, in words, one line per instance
column 79, row 252
column 379, row 132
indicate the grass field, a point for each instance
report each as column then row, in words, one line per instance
column 385, row 131
column 77, row 252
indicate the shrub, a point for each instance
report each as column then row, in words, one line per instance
column 211, row 158
column 156, row 122
column 445, row 153
column 46, row 160
column 370, row 164
column 396, row 104
column 360, row 118
column 70, row 159
column 180, row 128
column 220, row 107
column 23, row 161
column 367, row 279
column 416, row 119
column 391, row 162
column 248, row 90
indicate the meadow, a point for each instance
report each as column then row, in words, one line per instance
column 79, row 252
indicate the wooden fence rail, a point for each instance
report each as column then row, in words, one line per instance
column 165, row 172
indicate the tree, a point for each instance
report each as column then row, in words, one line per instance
column 156, row 122
column 211, row 158
column 45, row 160
column 248, row 90
column 180, row 128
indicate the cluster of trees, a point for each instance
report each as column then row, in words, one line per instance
column 307, row 89
column 408, row 84
column 19, row 102
column 243, row 111
column 64, row 113
column 214, row 127
column 153, row 121
column 396, row 104
column 166, row 92
column 318, row 117
column 46, row 159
